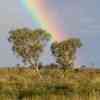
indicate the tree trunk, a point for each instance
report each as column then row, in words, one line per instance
column 37, row 70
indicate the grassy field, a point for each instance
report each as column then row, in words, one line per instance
column 49, row 84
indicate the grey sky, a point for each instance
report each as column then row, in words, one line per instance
column 78, row 17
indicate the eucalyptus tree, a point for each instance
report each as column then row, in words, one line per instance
column 29, row 44
column 65, row 51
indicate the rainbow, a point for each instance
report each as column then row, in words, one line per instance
column 41, row 17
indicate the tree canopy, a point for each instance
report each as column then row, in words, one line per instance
column 29, row 44
column 65, row 51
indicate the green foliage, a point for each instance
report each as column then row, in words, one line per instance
column 29, row 44
column 65, row 51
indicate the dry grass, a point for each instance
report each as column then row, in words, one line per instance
column 54, row 84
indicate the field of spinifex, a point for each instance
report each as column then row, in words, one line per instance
column 49, row 84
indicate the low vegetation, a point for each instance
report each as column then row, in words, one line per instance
column 54, row 84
